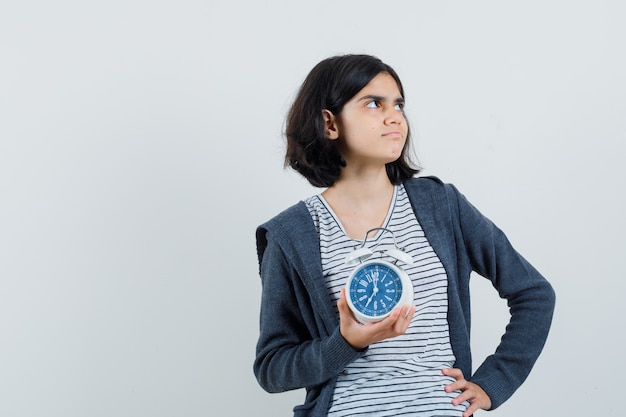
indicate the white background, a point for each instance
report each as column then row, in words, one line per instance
column 140, row 146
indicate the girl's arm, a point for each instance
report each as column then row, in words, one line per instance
column 292, row 352
column 529, row 296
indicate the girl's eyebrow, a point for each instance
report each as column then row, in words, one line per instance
column 380, row 98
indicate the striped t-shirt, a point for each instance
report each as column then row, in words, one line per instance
column 399, row 376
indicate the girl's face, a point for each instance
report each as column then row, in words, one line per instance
column 371, row 128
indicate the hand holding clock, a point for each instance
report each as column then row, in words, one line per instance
column 359, row 336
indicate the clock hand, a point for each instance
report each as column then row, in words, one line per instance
column 374, row 292
column 369, row 300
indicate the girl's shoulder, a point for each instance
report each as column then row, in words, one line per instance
column 289, row 218
column 430, row 181
column 430, row 185
column 292, row 228
column 431, row 196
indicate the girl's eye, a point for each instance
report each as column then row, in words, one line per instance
column 372, row 104
column 399, row 106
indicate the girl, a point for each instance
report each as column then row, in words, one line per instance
column 346, row 132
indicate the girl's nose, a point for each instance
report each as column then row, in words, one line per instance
column 393, row 116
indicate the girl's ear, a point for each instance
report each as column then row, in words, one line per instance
column 330, row 124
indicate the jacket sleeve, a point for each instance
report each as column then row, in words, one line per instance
column 530, row 298
column 291, row 350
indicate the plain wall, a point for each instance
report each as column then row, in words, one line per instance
column 141, row 144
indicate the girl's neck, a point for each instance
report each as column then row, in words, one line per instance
column 361, row 202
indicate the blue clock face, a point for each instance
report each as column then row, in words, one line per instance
column 375, row 289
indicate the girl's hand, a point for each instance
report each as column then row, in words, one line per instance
column 359, row 336
column 469, row 392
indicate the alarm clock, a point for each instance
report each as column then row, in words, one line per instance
column 376, row 286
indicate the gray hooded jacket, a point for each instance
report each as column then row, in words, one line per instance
column 300, row 346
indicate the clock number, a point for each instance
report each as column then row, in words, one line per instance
column 372, row 277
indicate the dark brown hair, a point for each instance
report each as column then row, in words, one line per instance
column 330, row 85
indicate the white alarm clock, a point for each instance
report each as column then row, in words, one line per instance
column 375, row 286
